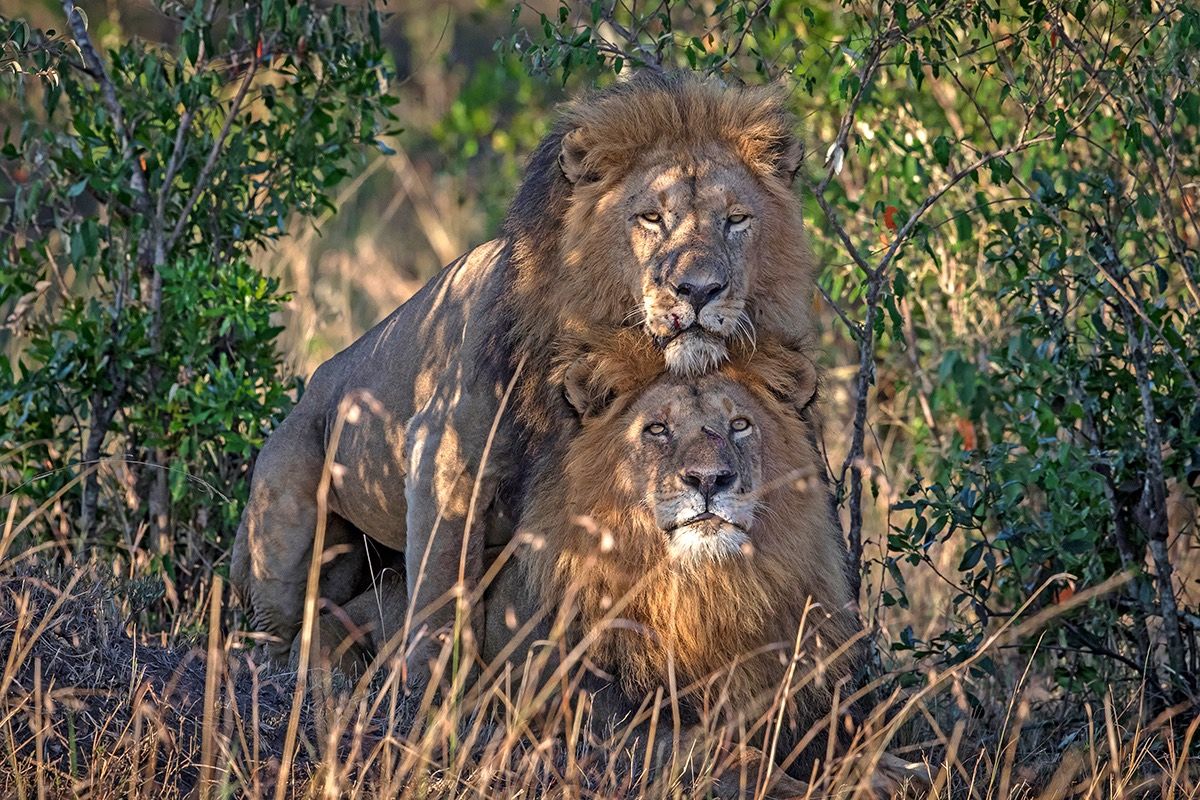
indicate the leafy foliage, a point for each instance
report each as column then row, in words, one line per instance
column 143, row 361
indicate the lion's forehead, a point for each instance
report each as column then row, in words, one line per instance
column 692, row 183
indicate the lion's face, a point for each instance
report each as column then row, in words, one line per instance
column 692, row 455
column 689, row 236
column 690, row 230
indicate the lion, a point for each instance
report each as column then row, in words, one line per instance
column 662, row 204
column 690, row 536
column 696, row 510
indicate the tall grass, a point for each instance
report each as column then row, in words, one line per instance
column 91, row 706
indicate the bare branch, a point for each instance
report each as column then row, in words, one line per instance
column 185, row 124
column 75, row 20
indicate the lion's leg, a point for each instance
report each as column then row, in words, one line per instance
column 274, row 542
column 447, row 496
column 349, row 636
column 442, row 562
column 343, row 574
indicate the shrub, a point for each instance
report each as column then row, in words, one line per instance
column 142, row 372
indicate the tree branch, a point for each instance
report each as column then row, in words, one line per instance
column 214, row 152
column 108, row 92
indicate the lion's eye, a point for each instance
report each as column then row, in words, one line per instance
column 651, row 217
column 740, row 424
column 738, row 221
column 656, row 429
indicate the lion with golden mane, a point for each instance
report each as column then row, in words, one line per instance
column 692, row 534
column 689, row 540
column 662, row 204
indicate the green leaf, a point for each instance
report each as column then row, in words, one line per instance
column 971, row 557
column 941, row 150
column 1001, row 170
column 1060, row 130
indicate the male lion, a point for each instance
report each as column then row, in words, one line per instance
column 662, row 203
column 697, row 510
column 689, row 534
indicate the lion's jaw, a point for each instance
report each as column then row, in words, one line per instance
column 698, row 531
column 711, row 540
column 694, row 352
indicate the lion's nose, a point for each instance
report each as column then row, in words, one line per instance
column 709, row 482
column 697, row 293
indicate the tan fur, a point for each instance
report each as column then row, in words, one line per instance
column 708, row 619
column 428, row 381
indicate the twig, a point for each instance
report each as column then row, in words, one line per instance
column 215, row 152
column 108, row 92
column 831, row 217
column 185, row 124
column 849, row 323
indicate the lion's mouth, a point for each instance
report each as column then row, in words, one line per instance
column 662, row 340
column 693, row 334
column 707, row 521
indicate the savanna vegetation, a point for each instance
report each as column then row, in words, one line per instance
column 201, row 201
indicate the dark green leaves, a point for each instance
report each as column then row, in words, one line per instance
column 941, row 150
column 109, row 309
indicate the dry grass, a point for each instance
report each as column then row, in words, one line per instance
column 90, row 706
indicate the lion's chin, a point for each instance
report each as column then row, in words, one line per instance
column 694, row 352
column 707, row 541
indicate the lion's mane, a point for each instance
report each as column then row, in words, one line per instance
column 560, row 236
column 793, row 591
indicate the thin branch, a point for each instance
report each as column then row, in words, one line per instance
column 866, row 342
column 831, row 217
column 851, row 324
column 185, row 123
column 108, row 92
column 215, row 152
column 1152, row 502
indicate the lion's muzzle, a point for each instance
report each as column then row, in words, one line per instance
column 691, row 307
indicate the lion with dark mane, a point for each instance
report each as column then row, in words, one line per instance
column 662, row 204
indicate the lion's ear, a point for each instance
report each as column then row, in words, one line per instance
column 796, row 384
column 582, row 391
column 571, row 156
column 789, row 155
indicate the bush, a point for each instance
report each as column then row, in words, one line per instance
column 142, row 373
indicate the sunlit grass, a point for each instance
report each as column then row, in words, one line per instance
column 89, row 706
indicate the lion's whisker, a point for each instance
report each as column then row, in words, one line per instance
column 744, row 326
